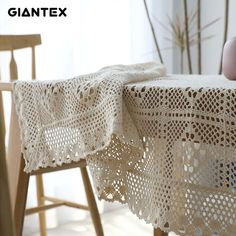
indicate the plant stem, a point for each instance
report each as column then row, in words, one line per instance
column 153, row 32
column 187, row 37
column 199, row 46
column 181, row 60
column 225, row 31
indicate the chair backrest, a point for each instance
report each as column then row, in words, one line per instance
column 13, row 42
column 13, row 152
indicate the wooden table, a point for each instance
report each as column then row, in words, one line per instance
column 188, row 126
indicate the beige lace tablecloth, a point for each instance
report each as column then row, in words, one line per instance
column 169, row 153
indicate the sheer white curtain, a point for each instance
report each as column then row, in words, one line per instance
column 94, row 34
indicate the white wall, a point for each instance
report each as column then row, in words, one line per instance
column 142, row 44
column 160, row 10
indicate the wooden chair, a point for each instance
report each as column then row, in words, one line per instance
column 18, row 178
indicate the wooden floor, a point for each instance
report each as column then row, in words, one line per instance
column 116, row 223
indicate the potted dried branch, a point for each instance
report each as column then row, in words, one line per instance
column 183, row 34
column 177, row 29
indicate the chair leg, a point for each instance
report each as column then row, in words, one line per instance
column 158, row 232
column 40, row 199
column 91, row 202
column 6, row 222
column 22, row 190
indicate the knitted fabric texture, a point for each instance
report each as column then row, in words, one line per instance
column 64, row 121
column 166, row 146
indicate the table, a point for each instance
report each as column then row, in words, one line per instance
column 186, row 179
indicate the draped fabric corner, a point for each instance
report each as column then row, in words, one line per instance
column 64, row 121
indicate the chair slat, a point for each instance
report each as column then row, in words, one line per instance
column 13, row 68
column 2, row 117
column 33, row 64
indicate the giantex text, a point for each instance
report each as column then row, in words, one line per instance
column 37, row 12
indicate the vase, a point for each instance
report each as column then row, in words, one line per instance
column 229, row 59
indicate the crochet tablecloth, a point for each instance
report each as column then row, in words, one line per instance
column 169, row 146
